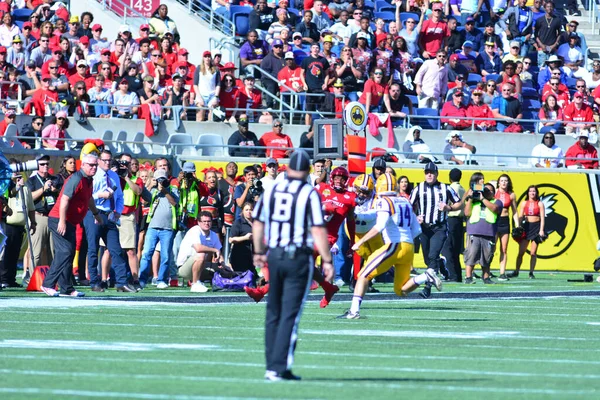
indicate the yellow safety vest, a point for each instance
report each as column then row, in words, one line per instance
column 477, row 212
column 153, row 205
column 129, row 197
column 189, row 201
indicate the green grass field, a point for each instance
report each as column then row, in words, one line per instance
column 508, row 346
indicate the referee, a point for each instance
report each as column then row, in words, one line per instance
column 431, row 201
column 286, row 219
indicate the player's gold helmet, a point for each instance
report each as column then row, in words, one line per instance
column 385, row 185
column 363, row 187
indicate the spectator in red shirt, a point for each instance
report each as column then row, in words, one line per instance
column 182, row 57
column 373, row 91
column 578, row 116
column 290, row 75
column 276, row 138
column 478, row 109
column 42, row 98
column 229, row 69
column 250, row 98
column 580, row 155
column 434, row 32
column 561, row 95
column 9, row 118
column 81, row 74
column 454, row 108
column 168, row 54
column 228, row 97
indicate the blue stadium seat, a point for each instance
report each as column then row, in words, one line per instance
column 528, row 84
column 529, row 126
column 414, row 99
column 207, row 3
column 21, row 14
column 492, row 77
column 406, row 15
column 571, row 83
column 239, row 10
column 382, row 5
column 370, row 4
column 473, row 79
column 531, row 104
column 242, row 24
column 529, row 93
column 387, row 16
column 294, row 11
column 427, row 123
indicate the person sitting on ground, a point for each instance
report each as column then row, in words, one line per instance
column 457, row 150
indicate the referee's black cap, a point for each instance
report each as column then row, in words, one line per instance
column 431, row 167
column 300, row 161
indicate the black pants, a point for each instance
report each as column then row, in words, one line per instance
column 273, row 88
column 289, row 280
column 432, row 242
column 12, row 249
column 61, row 269
column 453, row 247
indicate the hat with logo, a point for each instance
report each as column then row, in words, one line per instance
column 189, row 166
column 81, row 62
column 96, row 27
column 144, row 26
column 74, row 19
column 17, row 39
column 9, row 112
column 490, row 42
column 328, row 38
column 125, row 28
column 228, row 66
column 468, row 43
column 183, row 52
column 243, row 122
column 362, row 35
column 514, row 43
column 437, row 6
column 27, row 25
column 578, row 94
column 300, row 161
column 271, row 161
column 84, row 40
column 338, row 83
column 454, row 57
column 296, row 34
column 470, row 20
column 289, row 55
column 277, row 42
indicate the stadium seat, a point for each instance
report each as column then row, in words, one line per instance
column 21, row 14
column 427, row 123
column 571, row 83
column 178, row 141
column 531, row 105
column 492, row 77
column 238, row 10
column 216, row 142
column 11, row 132
column 530, row 126
column 242, row 24
column 382, row 5
column 414, row 99
column 387, row 16
column 503, row 161
column 529, row 93
column 528, row 84
column 473, row 79
column 406, row 15
column 369, row 4
column 294, row 11
column 136, row 148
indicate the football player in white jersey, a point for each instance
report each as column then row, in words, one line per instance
column 398, row 225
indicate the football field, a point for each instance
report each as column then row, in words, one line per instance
column 526, row 339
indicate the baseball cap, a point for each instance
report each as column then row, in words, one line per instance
column 490, row 43
column 289, row 56
column 44, row 157
column 206, row 53
column 216, row 52
column 96, row 27
column 148, row 78
column 27, row 25
column 144, row 26
column 124, row 81
column 454, row 57
column 578, row 94
column 105, row 51
column 84, row 40
column 458, row 92
column 271, row 161
column 296, row 34
column 300, row 161
column 249, row 77
column 437, row 6
column 9, row 113
column 176, row 76
column 431, row 167
column 160, row 173
column 362, row 35
column 583, row 133
column 168, row 32
column 189, row 166
column 2, row 49
column 61, row 114
column 514, row 43
column 46, row 78
column 460, row 76
column 574, row 35
column 81, row 62
column 17, row 39
column 243, row 122
column 489, row 23
column 328, row 38
column 30, row 64
column 470, row 20
column 183, row 52
column 125, row 28
column 277, row 42
column 379, row 163
column 338, row 83
column 228, row 65
column 74, row 19
column 468, row 43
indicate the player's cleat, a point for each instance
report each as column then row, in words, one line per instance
column 371, row 288
column 531, row 276
column 433, row 279
column 350, row 315
column 273, row 376
column 255, row 293
column 74, row 293
column 426, row 292
column 503, row 277
column 489, row 281
column 314, row 285
column 49, row 291
column 514, row 274
column 469, row 281
column 333, row 289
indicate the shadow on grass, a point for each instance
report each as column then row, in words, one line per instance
column 397, row 380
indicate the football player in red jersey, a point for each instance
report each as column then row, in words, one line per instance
column 338, row 204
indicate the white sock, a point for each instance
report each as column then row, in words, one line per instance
column 420, row 279
column 355, row 307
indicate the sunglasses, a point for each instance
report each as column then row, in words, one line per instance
column 92, row 165
column 554, row 84
column 52, row 67
column 491, row 86
column 44, row 41
column 43, row 164
column 105, row 69
column 580, row 86
column 12, row 116
column 79, row 88
column 378, row 73
column 476, row 94
column 460, row 79
column 410, row 22
column 548, row 137
column 277, row 126
column 60, row 118
column 458, row 95
column 37, row 123
column 155, row 55
column 27, row 28
column 81, row 66
column 526, row 62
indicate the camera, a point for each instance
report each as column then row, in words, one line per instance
column 256, row 189
column 56, row 182
column 164, row 182
column 477, row 191
column 30, row 165
column 189, row 176
column 123, row 168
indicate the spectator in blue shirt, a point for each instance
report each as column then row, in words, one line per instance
column 473, row 34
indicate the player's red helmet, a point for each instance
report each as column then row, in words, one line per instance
column 339, row 171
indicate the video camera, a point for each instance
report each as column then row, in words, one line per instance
column 123, row 168
column 256, row 189
column 477, row 191
column 164, row 182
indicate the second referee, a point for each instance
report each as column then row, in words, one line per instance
column 288, row 223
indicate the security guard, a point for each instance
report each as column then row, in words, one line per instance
column 288, row 223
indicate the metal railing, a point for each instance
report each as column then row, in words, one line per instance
column 206, row 13
column 593, row 15
column 130, row 15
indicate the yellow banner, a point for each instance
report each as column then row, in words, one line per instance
column 572, row 210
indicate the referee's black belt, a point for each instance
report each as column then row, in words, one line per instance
column 293, row 249
column 433, row 226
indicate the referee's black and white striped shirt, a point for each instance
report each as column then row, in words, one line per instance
column 425, row 199
column 289, row 209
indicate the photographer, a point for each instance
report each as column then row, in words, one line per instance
column 15, row 228
column 482, row 211
column 44, row 190
column 162, row 223
column 249, row 191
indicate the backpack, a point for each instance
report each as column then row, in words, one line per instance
column 235, row 284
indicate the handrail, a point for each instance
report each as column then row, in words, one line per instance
column 206, row 13
column 593, row 15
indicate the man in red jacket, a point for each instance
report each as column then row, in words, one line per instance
column 582, row 154
column 578, row 116
column 454, row 108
